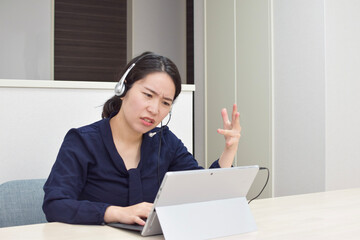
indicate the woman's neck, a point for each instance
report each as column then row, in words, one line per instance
column 121, row 131
column 127, row 141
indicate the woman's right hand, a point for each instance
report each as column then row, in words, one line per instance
column 129, row 215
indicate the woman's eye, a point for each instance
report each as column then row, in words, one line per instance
column 166, row 103
column 147, row 95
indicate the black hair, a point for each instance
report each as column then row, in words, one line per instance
column 145, row 64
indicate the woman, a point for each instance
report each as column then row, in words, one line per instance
column 110, row 171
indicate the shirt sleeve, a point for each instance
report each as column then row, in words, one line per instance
column 65, row 183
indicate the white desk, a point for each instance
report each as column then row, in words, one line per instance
column 327, row 215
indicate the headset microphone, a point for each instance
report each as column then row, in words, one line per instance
column 153, row 133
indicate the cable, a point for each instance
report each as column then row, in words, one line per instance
column 159, row 150
column 267, row 179
column 158, row 160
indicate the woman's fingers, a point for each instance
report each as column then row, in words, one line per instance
column 231, row 130
column 226, row 122
column 235, row 118
column 139, row 221
column 139, row 212
column 234, row 113
column 229, row 134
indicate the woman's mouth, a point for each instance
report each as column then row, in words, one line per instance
column 147, row 121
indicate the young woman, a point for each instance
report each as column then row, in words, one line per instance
column 110, row 171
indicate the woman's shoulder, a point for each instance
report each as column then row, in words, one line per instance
column 169, row 137
column 93, row 128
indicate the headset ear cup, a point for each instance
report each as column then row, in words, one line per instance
column 120, row 89
column 123, row 90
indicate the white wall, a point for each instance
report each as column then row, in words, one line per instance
column 26, row 30
column 34, row 121
column 25, row 42
column 342, row 28
column 254, row 88
column 315, row 87
column 220, row 91
column 199, row 76
column 317, row 101
column 238, row 70
column 299, row 96
column 160, row 26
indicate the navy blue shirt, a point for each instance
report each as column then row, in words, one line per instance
column 89, row 175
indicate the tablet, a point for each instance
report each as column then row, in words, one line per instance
column 201, row 187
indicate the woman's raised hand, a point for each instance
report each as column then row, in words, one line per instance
column 231, row 131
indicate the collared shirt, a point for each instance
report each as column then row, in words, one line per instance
column 89, row 174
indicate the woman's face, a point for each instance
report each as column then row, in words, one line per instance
column 148, row 101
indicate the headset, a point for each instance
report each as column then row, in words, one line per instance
column 120, row 88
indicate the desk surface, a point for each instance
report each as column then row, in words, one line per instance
column 325, row 215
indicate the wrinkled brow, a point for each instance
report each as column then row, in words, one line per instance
column 157, row 94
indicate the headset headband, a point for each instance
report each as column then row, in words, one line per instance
column 120, row 86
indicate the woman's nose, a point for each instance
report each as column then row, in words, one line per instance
column 153, row 107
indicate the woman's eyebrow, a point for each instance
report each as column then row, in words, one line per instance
column 157, row 94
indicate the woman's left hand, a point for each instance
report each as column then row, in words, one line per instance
column 231, row 132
